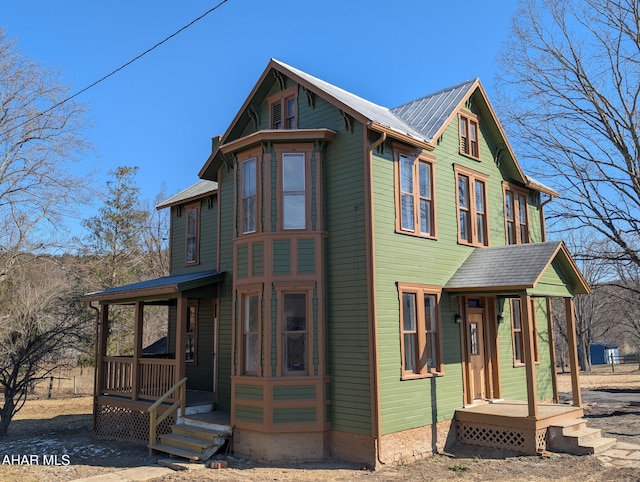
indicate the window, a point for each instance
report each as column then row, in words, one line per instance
column 472, row 207
column 414, row 199
column 516, row 216
column 284, row 109
column 193, row 228
column 249, row 195
column 518, row 334
column 294, row 204
column 469, row 136
column 294, row 333
column 250, row 324
column 191, row 340
column 420, row 331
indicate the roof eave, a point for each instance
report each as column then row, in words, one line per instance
column 401, row 136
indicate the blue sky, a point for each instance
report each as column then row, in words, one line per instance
column 160, row 113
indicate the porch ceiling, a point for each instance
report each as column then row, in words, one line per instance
column 166, row 287
column 543, row 269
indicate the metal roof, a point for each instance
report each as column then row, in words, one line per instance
column 200, row 189
column 517, row 266
column 168, row 286
column 429, row 113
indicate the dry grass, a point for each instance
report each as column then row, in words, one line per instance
column 601, row 376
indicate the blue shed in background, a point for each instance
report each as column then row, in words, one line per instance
column 602, row 351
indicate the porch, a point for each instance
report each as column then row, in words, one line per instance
column 506, row 424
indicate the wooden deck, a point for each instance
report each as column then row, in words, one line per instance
column 506, row 424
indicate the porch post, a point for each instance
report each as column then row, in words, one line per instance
column 181, row 328
column 573, row 352
column 102, row 348
column 532, row 391
column 137, row 349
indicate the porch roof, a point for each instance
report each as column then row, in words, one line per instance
column 543, row 269
column 167, row 287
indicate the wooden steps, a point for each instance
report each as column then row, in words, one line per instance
column 574, row 437
column 192, row 442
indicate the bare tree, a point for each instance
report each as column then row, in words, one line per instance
column 571, row 88
column 41, row 135
column 42, row 321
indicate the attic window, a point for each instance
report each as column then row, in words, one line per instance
column 284, row 109
column 469, row 136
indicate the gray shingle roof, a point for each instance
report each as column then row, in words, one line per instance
column 516, row 265
column 197, row 190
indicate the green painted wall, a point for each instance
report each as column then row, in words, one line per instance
column 208, row 234
column 403, row 258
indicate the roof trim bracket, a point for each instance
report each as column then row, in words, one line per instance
column 280, row 78
column 254, row 115
column 348, row 121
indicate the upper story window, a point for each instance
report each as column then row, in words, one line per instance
column 516, row 215
column 249, row 195
column 193, row 234
column 469, row 136
column 420, row 330
column 415, row 203
column 471, row 190
column 294, row 204
column 284, row 109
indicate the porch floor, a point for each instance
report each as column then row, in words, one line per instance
column 506, row 424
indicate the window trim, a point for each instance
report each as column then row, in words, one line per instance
column 306, row 150
column 534, row 322
column 192, row 304
column 282, row 98
column 516, row 193
column 417, row 160
column 422, row 369
column 466, row 148
column 254, row 155
column 195, row 207
column 244, row 295
column 282, row 289
column 473, row 177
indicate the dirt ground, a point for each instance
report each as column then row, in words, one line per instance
column 58, row 432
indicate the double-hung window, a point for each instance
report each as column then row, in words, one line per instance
column 518, row 334
column 284, row 109
column 469, row 136
column 420, row 331
column 294, row 333
column 472, row 207
column 415, row 210
column 516, row 216
column 294, row 211
column 191, row 339
column 250, row 332
column 249, row 195
column 193, row 234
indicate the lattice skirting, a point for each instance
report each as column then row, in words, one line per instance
column 127, row 424
column 518, row 440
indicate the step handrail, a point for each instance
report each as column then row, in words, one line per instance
column 154, row 420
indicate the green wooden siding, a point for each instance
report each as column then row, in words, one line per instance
column 207, row 242
column 281, row 256
column 250, row 414
column 243, row 261
column 306, row 256
column 294, row 393
column 404, row 258
column 249, row 392
column 553, row 282
column 258, row 259
column 294, row 415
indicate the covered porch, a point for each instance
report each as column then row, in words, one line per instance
column 127, row 384
column 524, row 273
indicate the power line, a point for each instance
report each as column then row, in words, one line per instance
column 123, row 66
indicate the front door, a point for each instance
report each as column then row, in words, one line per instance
column 476, row 356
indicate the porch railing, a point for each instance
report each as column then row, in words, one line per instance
column 181, row 403
column 154, row 377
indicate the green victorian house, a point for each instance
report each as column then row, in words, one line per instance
column 353, row 281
